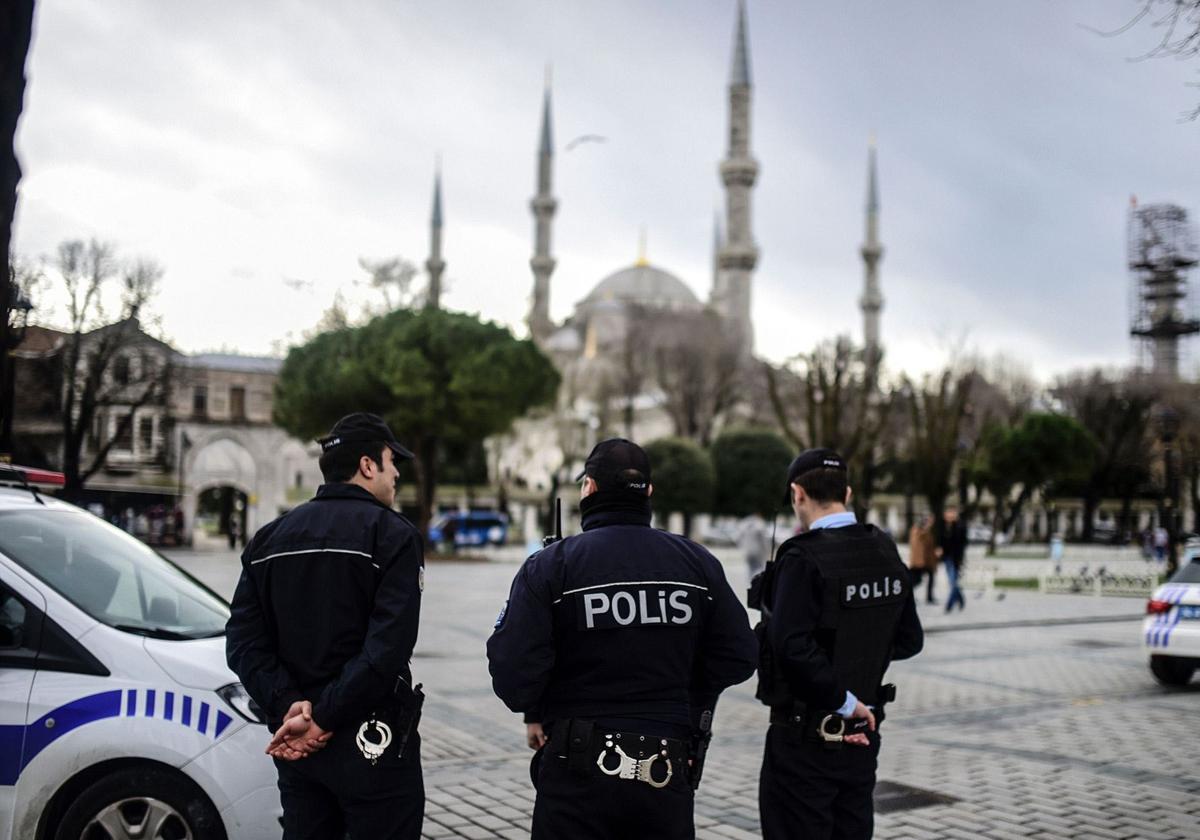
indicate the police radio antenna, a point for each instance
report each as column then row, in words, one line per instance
column 557, row 535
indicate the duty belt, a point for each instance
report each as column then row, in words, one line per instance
column 629, row 756
column 829, row 727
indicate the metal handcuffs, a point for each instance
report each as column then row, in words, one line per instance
column 371, row 750
column 633, row 768
column 835, row 733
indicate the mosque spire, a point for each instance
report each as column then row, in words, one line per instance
column 738, row 255
column 435, row 265
column 871, row 301
column 543, row 206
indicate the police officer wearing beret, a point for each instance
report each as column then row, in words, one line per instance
column 615, row 643
column 321, row 630
column 837, row 608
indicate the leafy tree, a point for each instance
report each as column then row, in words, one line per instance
column 684, row 478
column 437, row 377
column 751, row 471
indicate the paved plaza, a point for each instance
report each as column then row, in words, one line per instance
column 1032, row 716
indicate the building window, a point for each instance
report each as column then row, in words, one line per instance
column 146, row 434
column 200, row 401
column 124, row 437
column 237, row 403
column 121, row 370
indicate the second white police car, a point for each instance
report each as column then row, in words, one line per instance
column 118, row 715
column 1171, row 629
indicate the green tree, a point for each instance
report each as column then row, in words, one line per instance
column 751, row 471
column 437, row 377
column 684, row 478
column 1116, row 412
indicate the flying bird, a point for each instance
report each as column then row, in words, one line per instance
column 586, row 138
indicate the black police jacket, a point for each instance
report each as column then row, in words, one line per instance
column 622, row 622
column 838, row 609
column 326, row 608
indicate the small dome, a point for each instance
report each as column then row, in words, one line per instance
column 645, row 285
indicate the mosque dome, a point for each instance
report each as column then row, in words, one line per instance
column 643, row 284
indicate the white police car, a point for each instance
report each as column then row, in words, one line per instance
column 118, row 715
column 1171, row 628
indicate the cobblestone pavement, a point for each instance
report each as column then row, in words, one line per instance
column 1053, row 731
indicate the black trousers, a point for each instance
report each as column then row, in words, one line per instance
column 336, row 792
column 808, row 792
column 600, row 807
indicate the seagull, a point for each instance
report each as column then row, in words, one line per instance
column 586, row 138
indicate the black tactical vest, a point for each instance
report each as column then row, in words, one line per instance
column 864, row 586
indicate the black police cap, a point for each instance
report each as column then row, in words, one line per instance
column 809, row 460
column 611, row 463
column 362, row 427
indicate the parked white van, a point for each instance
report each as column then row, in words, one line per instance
column 118, row 715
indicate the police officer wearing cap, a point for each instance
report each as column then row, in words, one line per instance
column 615, row 644
column 837, row 608
column 321, row 630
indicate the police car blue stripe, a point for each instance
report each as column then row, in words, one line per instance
column 223, row 721
column 20, row 744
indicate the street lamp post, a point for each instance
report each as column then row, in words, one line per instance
column 1168, row 430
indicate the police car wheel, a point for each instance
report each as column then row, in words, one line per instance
column 143, row 803
column 1172, row 670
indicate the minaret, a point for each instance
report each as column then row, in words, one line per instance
column 871, row 301
column 543, row 206
column 718, row 242
column 738, row 254
column 435, row 265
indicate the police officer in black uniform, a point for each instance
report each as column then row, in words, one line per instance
column 615, row 644
column 321, row 631
column 837, row 608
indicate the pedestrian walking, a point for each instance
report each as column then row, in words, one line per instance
column 754, row 539
column 953, row 549
column 615, row 644
column 923, row 556
column 321, row 630
column 837, row 607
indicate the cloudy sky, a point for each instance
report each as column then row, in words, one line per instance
column 257, row 150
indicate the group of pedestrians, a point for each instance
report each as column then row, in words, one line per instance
column 614, row 646
column 938, row 542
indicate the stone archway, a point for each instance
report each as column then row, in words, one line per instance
column 221, row 460
column 272, row 469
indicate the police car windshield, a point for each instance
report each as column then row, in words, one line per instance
column 1188, row 574
column 111, row 576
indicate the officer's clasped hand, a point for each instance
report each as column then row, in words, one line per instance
column 299, row 736
column 535, row 736
column 861, row 712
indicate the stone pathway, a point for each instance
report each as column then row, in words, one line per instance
column 1036, row 731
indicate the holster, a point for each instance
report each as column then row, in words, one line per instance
column 570, row 739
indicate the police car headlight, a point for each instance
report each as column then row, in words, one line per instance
column 235, row 695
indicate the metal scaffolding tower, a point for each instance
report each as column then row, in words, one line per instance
column 1162, row 249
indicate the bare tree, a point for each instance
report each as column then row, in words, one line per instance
column 393, row 278
column 699, row 371
column 111, row 367
column 936, row 409
column 1178, row 22
column 833, row 390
